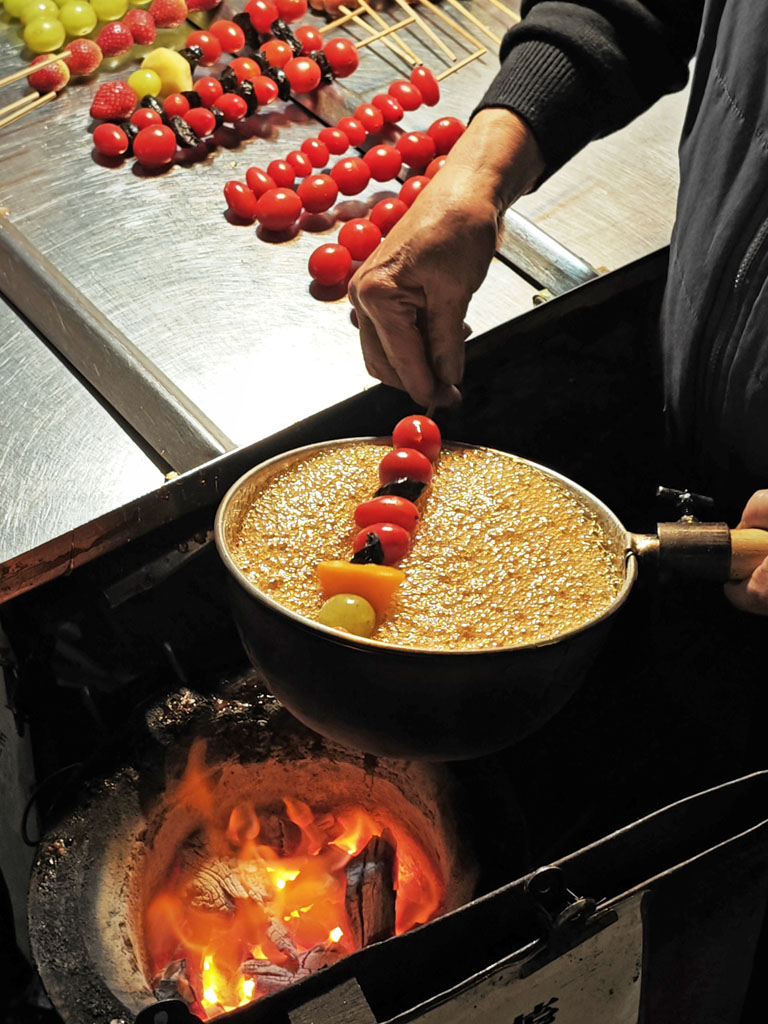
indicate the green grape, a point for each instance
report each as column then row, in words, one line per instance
column 38, row 9
column 44, row 35
column 350, row 613
column 78, row 17
column 145, row 82
column 14, row 7
column 110, row 10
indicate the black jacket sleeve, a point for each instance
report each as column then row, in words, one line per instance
column 575, row 71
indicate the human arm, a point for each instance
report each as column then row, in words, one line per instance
column 751, row 595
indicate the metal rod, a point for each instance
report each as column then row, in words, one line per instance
column 541, row 257
column 461, row 64
column 475, row 21
column 31, row 68
column 452, row 22
column 384, row 32
column 129, row 381
column 28, row 109
column 428, row 30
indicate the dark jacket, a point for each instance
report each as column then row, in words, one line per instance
column 576, row 71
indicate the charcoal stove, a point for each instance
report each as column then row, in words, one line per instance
column 113, row 668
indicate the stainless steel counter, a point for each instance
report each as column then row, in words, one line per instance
column 227, row 318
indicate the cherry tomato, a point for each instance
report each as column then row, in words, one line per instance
column 370, row 117
column 303, row 73
column 175, row 105
column 427, row 84
column 144, row 117
column 262, row 13
column 300, row 162
column 265, row 89
column 110, row 139
column 317, row 152
column 389, row 508
column 201, row 121
column 245, row 68
column 434, row 166
column 292, row 10
column 419, row 432
column 232, row 106
column 389, row 107
column 342, row 56
column 330, row 264
column 230, row 35
column 208, row 43
column 335, row 139
column 281, row 173
column 406, row 93
column 241, row 201
column 155, row 146
column 445, row 131
column 405, row 462
column 395, row 541
column 259, row 181
column 310, row 39
column 384, row 162
column 351, row 175
column 360, row 236
column 318, row 192
column 386, row 213
column 277, row 52
column 416, row 148
column 278, row 209
column 412, row 188
column 208, row 89
column 353, row 129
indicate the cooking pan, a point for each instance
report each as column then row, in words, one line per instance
column 439, row 704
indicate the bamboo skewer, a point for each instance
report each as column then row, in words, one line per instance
column 452, row 22
column 27, row 109
column 377, row 36
column 31, row 68
column 428, row 30
column 399, row 50
column 475, row 21
column 20, row 102
column 375, row 16
column 342, row 20
column 507, row 10
column 462, row 63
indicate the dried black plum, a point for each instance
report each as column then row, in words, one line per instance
column 403, row 487
column 261, row 60
column 151, row 103
column 246, row 90
column 280, row 30
column 243, row 21
column 228, row 80
column 192, row 55
column 219, row 115
column 278, row 76
column 193, row 98
column 184, row 134
column 326, row 72
column 371, row 553
column 131, row 131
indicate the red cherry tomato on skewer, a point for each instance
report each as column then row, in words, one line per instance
column 300, row 162
column 245, row 69
column 277, row 52
column 230, row 35
column 434, row 166
column 351, row 175
column 405, row 462
column 110, row 139
column 353, row 129
column 208, row 43
column 360, row 236
column 445, row 132
column 342, row 56
column 389, row 508
column 318, row 193
column 412, row 188
column 427, row 84
column 395, row 541
column 265, row 90
column 370, row 117
column 416, row 148
column 406, row 93
column 420, row 433
column 155, row 146
column 281, row 173
column 310, row 39
column 208, row 89
column 335, row 139
column 241, row 200
column 330, row 264
column 317, row 152
column 262, row 13
column 278, row 209
column 292, row 10
column 388, row 106
column 175, row 105
column 384, row 162
column 303, row 73
column 386, row 213
column 259, row 181
column 144, row 117
column 201, row 120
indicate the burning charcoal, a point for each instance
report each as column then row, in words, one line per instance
column 192, row 55
column 318, row 957
column 280, row 79
column 268, row 977
column 370, row 897
column 246, row 90
column 152, row 104
column 371, row 553
column 184, row 134
column 251, row 35
column 280, row 937
column 326, row 72
column 193, row 98
column 173, row 983
column 280, row 833
column 280, row 30
column 403, row 487
column 216, row 882
column 228, row 80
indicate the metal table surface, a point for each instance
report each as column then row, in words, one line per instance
column 225, row 320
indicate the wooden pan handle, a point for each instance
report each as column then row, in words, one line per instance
column 748, row 549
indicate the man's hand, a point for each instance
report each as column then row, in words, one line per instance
column 751, row 595
column 411, row 294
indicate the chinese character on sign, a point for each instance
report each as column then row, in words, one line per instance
column 542, row 1013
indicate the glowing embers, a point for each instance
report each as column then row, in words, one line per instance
column 261, row 896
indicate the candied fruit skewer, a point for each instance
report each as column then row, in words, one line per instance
column 30, row 69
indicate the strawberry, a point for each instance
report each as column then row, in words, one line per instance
column 115, row 38
column 114, row 101
column 202, row 5
column 84, row 56
column 51, row 78
column 142, row 25
column 168, row 13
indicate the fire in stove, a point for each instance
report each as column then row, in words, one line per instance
column 259, row 896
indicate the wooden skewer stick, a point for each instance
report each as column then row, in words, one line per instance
column 426, row 28
column 26, row 110
column 475, row 21
column 507, row 10
column 20, row 102
column 31, row 68
column 461, row 64
column 400, row 49
column 342, row 20
column 385, row 32
column 452, row 22
column 375, row 16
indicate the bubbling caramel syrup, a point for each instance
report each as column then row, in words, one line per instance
column 503, row 555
